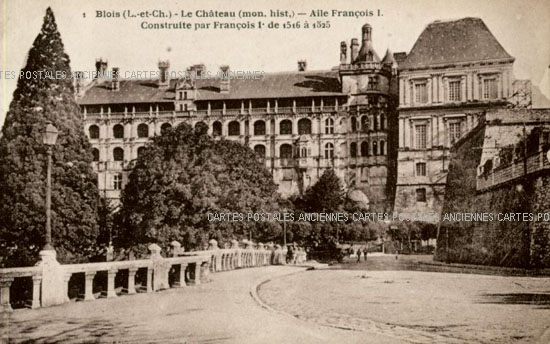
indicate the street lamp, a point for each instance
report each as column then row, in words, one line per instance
column 49, row 137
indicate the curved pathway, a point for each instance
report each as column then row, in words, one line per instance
column 222, row 311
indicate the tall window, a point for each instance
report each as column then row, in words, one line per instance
column 382, row 147
column 353, row 124
column 285, row 152
column 94, row 132
column 140, row 151
column 303, row 152
column 329, row 126
column 118, row 154
column 375, row 148
column 364, row 123
column 375, row 122
column 304, row 126
column 454, row 131
column 454, row 91
column 259, row 128
column 95, row 154
column 260, row 150
column 382, row 120
column 421, row 195
column 329, row 151
column 143, row 130
column 117, row 181
column 364, row 148
column 421, row 136
column 421, row 93
column 217, row 128
column 373, row 82
column 234, row 128
column 285, row 127
column 420, row 168
column 353, row 149
column 118, row 131
column 490, row 88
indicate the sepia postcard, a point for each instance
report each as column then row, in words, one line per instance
column 307, row 171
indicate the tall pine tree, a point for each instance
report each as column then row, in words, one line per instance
column 36, row 100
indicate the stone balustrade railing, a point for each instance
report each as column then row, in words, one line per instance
column 50, row 280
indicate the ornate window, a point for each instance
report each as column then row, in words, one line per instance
column 285, row 151
column 375, row 148
column 285, row 127
column 421, row 138
column 420, row 168
column 118, row 131
column 143, row 130
column 364, row 123
column 454, row 90
column 259, row 128
column 373, row 82
column 304, row 126
column 234, row 128
column 329, row 151
column 117, row 181
column 94, row 132
column 329, row 126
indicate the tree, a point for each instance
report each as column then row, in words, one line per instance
column 38, row 99
column 182, row 178
column 327, row 195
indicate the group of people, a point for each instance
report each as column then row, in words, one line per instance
column 364, row 251
column 295, row 254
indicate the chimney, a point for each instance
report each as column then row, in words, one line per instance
column 366, row 33
column 354, row 49
column 343, row 52
column 79, row 84
column 164, row 73
column 302, row 65
column 115, row 83
column 224, row 84
column 101, row 69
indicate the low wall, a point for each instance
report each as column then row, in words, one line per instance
column 51, row 281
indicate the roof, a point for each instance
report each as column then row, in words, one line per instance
column 458, row 41
column 272, row 85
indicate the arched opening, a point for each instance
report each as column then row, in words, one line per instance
column 234, row 128
column 260, row 150
column 364, row 123
column 382, row 147
column 329, row 126
column 95, row 154
column 382, row 120
column 118, row 131
column 375, row 148
column 353, row 124
column 353, row 149
column 140, row 151
column 118, row 154
column 285, row 151
column 143, row 130
column 94, row 132
column 304, row 126
column 165, row 127
column 285, row 127
column 259, row 128
column 364, row 148
column 217, row 128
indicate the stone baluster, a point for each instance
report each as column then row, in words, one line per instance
column 36, row 281
column 5, row 284
column 132, row 280
column 181, row 282
column 149, row 279
column 111, row 274
column 89, row 285
column 197, row 273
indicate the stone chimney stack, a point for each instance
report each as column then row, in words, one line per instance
column 164, row 73
column 343, row 52
column 101, row 69
column 366, row 33
column 115, row 83
column 354, row 49
column 225, row 80
column 302, row 65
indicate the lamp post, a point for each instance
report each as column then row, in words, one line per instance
column 49, row 138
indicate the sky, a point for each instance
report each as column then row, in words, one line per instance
column 521, row 26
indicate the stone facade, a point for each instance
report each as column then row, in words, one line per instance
column 301, row 122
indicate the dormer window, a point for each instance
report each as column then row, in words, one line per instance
column 184, row 95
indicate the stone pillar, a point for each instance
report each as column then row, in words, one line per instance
column 161, row 268
column 36, row 281
column 149, row 280
column 89, row 285
column 197, row 273
column 5, row 284
column 66, row 279
column 132, row 280
column 111, row 274
column 181, row 281
column 54, row 286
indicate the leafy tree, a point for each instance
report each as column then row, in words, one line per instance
column 182, row 177
column 36, row 100
column 327, row 195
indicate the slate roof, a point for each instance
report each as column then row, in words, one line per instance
column 272, row 85
column 458, row 41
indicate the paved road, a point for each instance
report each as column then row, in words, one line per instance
column 222, row 311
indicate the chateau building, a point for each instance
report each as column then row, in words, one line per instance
column 384, row 125
column 301, row 122
column 455, row 71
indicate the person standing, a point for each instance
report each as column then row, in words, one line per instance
column 365, row 252
column 358, row 255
